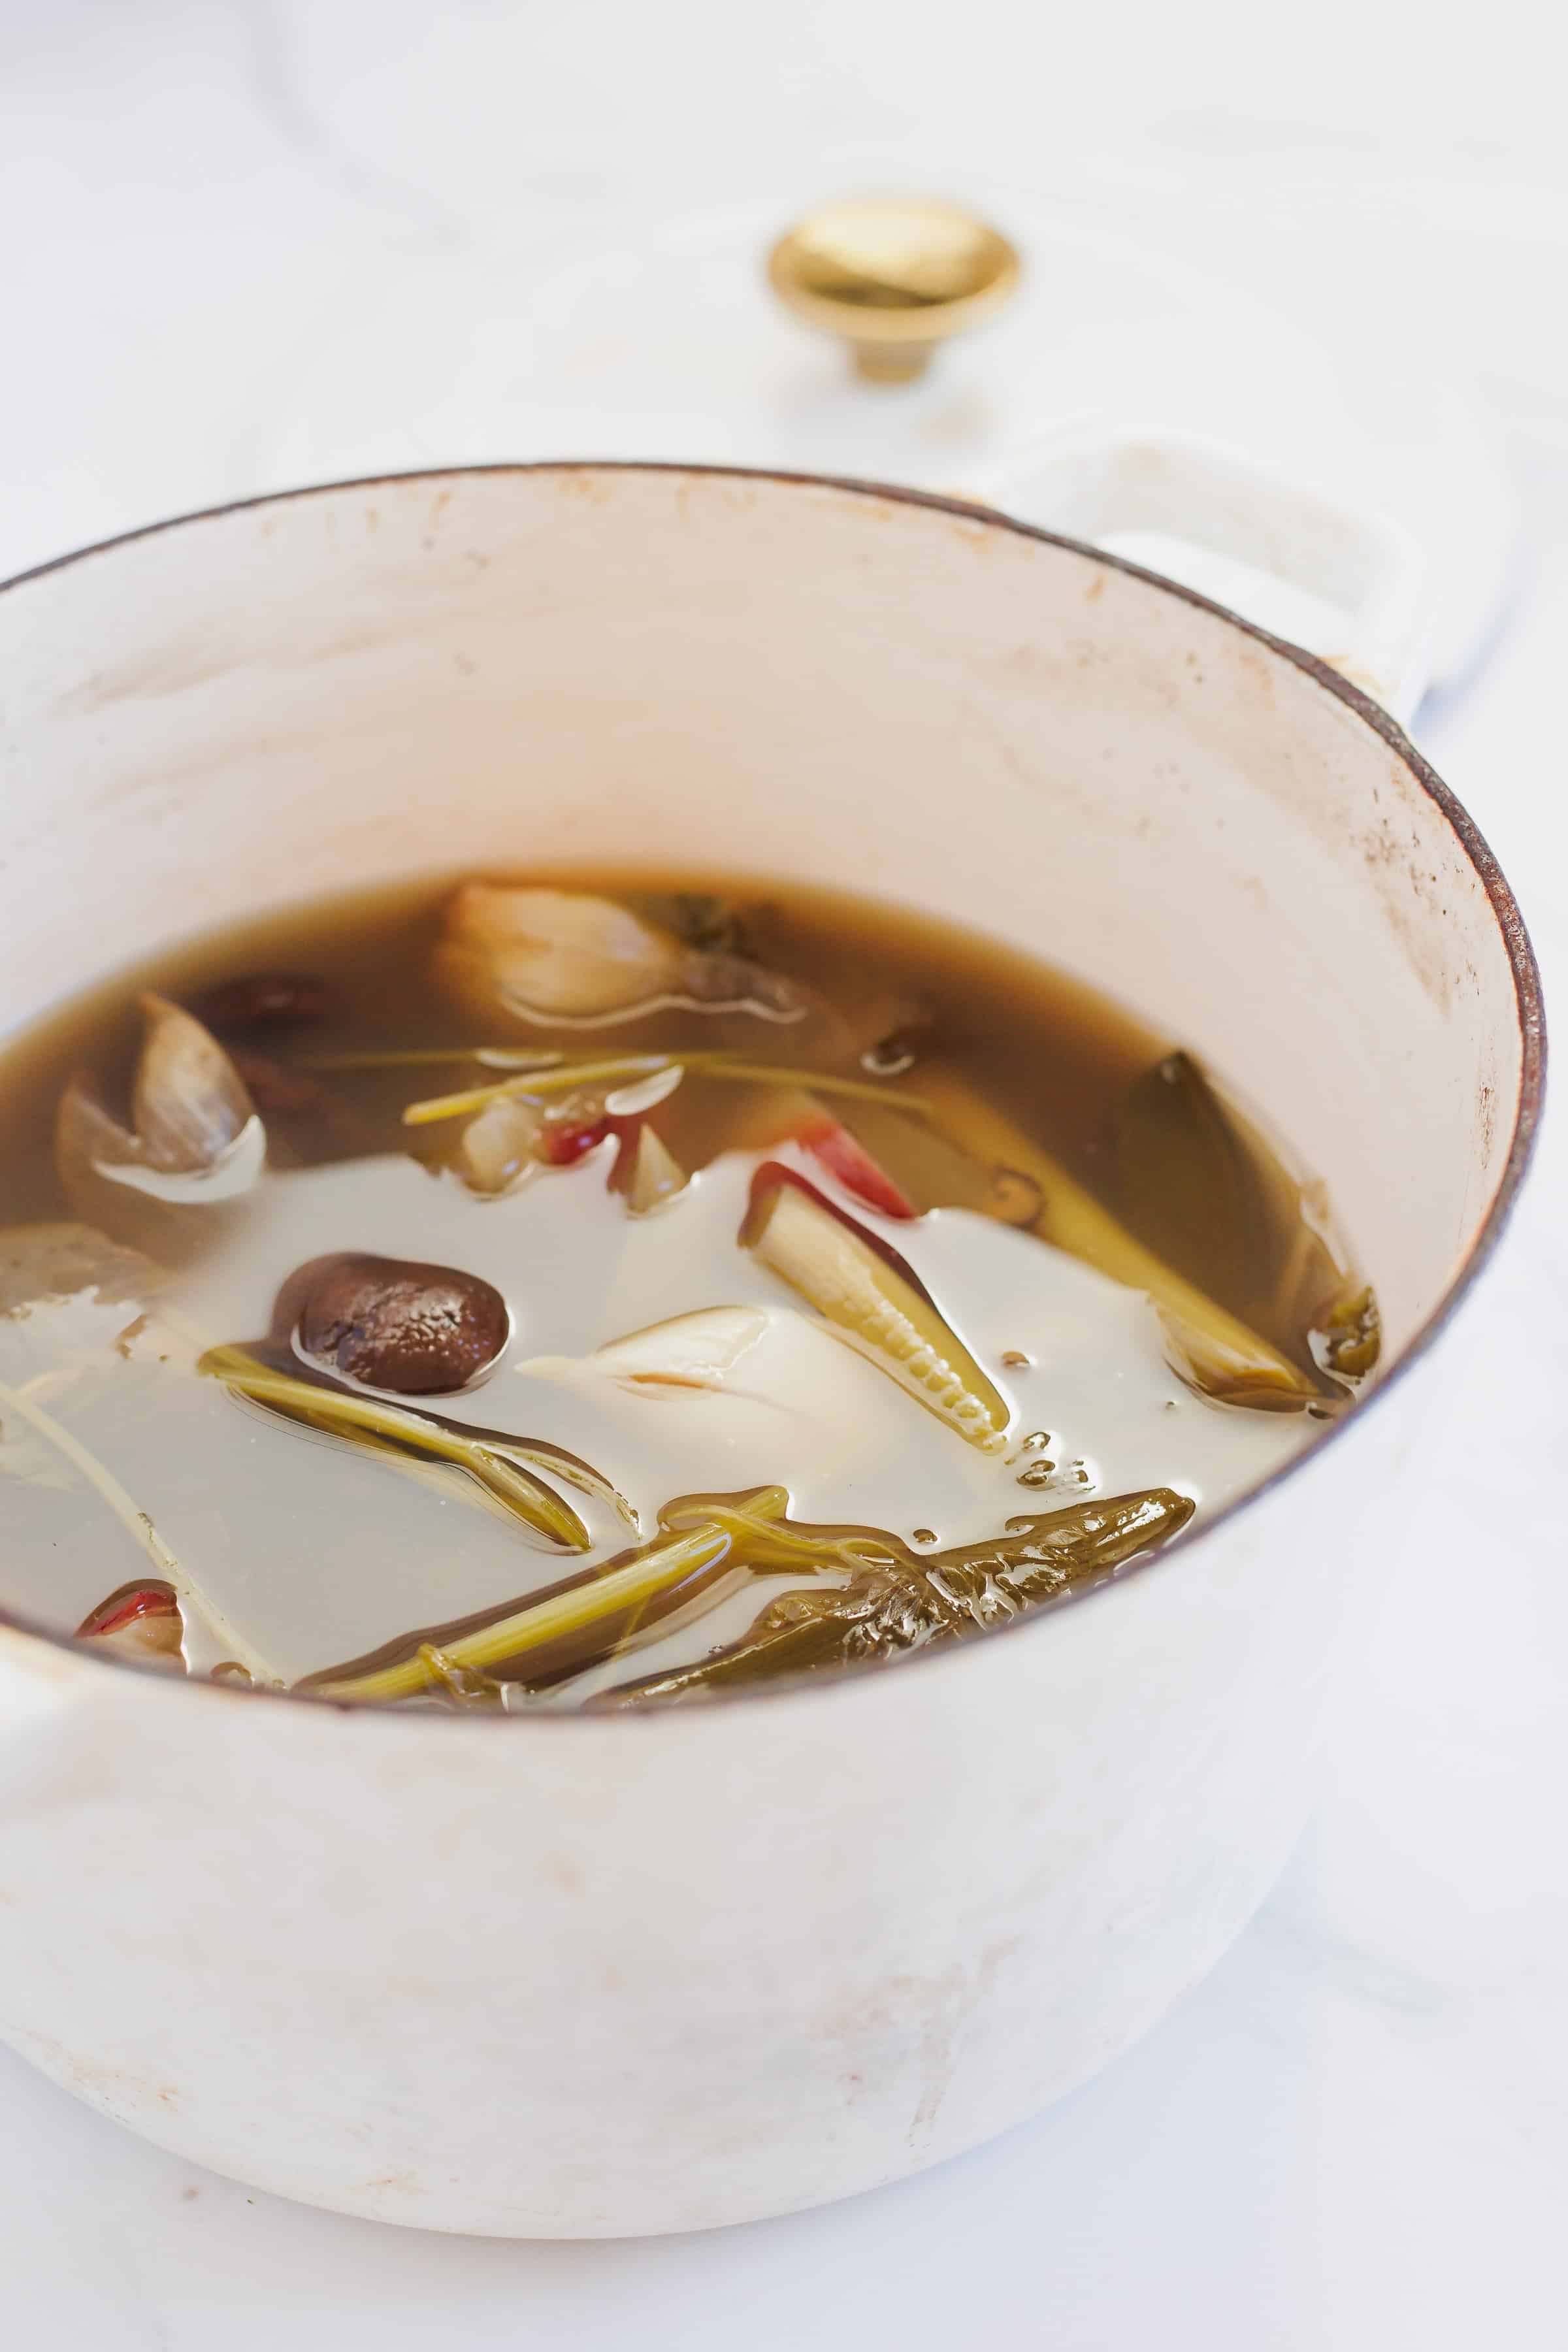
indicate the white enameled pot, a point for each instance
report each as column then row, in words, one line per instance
column 587, row 1974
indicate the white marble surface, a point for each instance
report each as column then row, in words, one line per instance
column 261, row 242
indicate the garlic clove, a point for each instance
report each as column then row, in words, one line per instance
column 700, row 1351
column 656, row 1176
column 396, row 1323
column 551, row 955
column 500, row 1146
column 189, row 1103
column 568, row 957
column 196, row 1136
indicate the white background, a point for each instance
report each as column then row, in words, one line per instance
column 250, row 243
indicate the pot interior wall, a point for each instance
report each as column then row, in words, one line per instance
column 538, row 666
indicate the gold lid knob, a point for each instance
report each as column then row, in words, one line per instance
column 892, row 278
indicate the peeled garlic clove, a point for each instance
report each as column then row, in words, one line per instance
column 657, row 1175
column 820, row 1254
column 189, row 1102
column 700, row 1351
column 500, row 1146
column 196, row 1136
column 565, row 957
column 546, row 955
column 1229, row 1369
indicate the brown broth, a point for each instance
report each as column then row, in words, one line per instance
column 1059, row 1058
column 1023, row 1068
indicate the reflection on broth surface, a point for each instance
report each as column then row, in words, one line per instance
column 542, row 1290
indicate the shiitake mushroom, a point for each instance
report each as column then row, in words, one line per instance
column 265, row 999
column 394, row 1323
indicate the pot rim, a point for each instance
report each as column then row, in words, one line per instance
column 1499, row 897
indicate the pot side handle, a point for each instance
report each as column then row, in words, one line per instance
column 1346, row 586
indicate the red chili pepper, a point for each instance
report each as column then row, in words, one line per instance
column 564, row 1145
column 853, row 1166
column 126, row 1607
column 772, row 1173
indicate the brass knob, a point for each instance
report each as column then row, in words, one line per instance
column 893, row 279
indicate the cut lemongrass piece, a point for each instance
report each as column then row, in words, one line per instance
column 415, row 1057
column 1221, row 1356
column 137, row 1524
column 644, row 1066
column 500, row 1466
column 539, row 1082
column 822, row 1082
column 518, row 1058
column 820, row 1254
column 644, row 1094
column 669, row 1560
column 764, row 1542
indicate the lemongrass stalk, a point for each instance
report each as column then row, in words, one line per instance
column 705, row 1065
column 1224, row 1354
column 495, row 1464
column 648, row 1573
column 771, row 1074
column 138, row 1523
column 414, row 1057
column 538, row 1082
column 768, row 1545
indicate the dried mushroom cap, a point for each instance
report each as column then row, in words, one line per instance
column 656, row 1175
column 268, row 1000
column 569, row 958
column 394, row 1323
